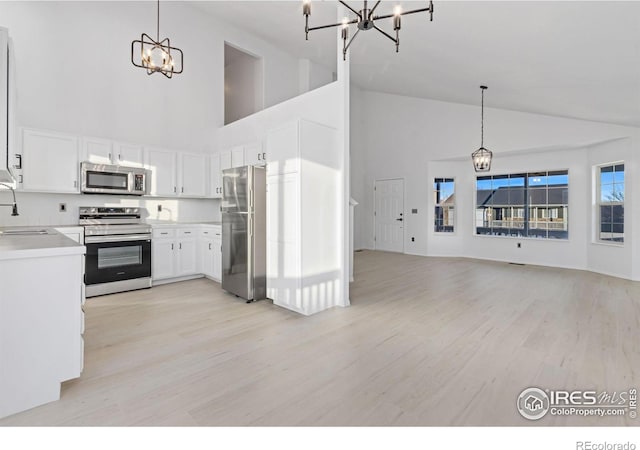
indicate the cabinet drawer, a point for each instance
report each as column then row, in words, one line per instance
column 187, row 232
column 160, row 233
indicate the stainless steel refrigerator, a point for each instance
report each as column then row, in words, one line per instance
column 244, row 232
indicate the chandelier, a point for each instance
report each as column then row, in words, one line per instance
column 155, row 55
column 482, row 157
column 365, row 20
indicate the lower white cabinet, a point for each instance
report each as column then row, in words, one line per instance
column 179, row 252
column 210, row 245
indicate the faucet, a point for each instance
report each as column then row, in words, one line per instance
column 14, row 205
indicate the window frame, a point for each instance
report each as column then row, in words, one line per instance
column 435, row 205
column 596, row 239
column 528, row 173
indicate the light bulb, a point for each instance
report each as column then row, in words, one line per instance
column 397, row 10
column 306, row 7
column 345, row 22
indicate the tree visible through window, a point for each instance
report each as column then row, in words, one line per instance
column 534, row 204
column 611, row 203
column 444, row 193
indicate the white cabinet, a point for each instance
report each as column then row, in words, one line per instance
column 97, row 151
column 162, row 259
column 163, row 167
column 305, row 208
column 105, row 151
column 215, row 177
column 50, row 162
column 193, row 174
column 129, row 155
column 255, row 155
column 173, row 253
column 237, row 157
column 211, row 252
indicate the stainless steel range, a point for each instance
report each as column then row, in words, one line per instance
column 118, row 246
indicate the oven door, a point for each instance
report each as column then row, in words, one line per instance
column 108, row 259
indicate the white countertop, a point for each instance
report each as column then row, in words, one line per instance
column 36, row 246
column 169, row 223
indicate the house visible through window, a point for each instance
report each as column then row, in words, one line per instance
column 611, row 203
column 444, row 193
column 523, row 205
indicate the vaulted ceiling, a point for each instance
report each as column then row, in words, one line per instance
column 571, row 59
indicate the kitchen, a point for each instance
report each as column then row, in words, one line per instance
column 145, row 214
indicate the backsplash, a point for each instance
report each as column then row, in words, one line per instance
column 44, row 209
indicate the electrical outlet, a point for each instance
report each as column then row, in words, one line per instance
column 63, row 207
column 159, row 208
column 519, row 245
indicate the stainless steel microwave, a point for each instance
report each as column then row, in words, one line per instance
column 106, row 179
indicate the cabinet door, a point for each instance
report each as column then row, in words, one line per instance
column 129, row 155
column 163, row 259
column 215, row 183
column 97, row 151
column 50, row 162
column 237, row 157
column 207, row 257
column 254, row 155
column 187, row 257
column 216, row 249
column 162, row 164
column 194, row 175
column 225, row 160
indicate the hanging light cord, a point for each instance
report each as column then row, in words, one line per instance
column 482, row 118
column 158, row 23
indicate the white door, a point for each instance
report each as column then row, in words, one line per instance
column 215, row 174
column 51, row 162
column 187, row 257
column 194, row 175
column 206, row 248
column 129, row 155
column 162, row 259
column 162, row 164
column 97, row 151
column 389, row 215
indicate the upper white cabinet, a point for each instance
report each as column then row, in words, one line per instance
column 50, row 162
column 215, row 177
column 193, row 174
column 255, row 155
column 129, row 155
column 163, row 167
column 237, row 157
column 104, row 151
column 225, row 160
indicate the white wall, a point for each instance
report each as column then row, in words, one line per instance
column 74, row 72
column 43, row 209
column 403, row 137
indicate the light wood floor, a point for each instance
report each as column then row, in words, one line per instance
column 427, row 341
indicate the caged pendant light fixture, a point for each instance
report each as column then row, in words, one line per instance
column 156, row 56
column 365, row 20
column 482, row 157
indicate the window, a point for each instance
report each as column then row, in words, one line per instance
column 444, row 195
column 532, row 204
column 611, row 203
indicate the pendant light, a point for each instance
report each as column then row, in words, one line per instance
column 156, row 56
column 482, row 157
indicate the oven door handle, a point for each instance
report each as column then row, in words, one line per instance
column 117, row 238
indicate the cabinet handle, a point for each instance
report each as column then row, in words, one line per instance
column 120, row 157
column 182, row 190
column 19, row 165
column 20, row 179
column 171, row 246
column 175, row 190
column 209, row 245
column 264, row 156
column 187, row 232
column 75, row 183
column 180, row 245
column 109, row 156
column 258, row 156
column 165, row 232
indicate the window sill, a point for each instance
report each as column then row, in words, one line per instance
column 523, row 238
column 609, row 244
